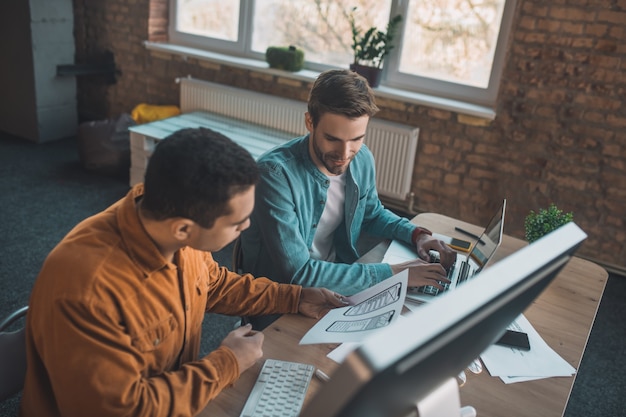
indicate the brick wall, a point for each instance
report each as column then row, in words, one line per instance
column 559, row 135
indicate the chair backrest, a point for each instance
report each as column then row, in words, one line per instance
column 237, row 256
column 12, row 356
column 236, row 267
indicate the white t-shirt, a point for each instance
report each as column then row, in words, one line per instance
column 332, row 216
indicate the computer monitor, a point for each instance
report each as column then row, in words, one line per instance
column 405, row 365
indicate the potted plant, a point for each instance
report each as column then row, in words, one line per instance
column 543, row 222
column 371, row 47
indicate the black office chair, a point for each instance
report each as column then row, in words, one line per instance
column 12, row 355
column 236, row 267
column 237, row 256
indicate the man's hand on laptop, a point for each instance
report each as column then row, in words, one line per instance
column 426, row 243
column 422, row 273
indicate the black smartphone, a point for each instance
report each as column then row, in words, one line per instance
column 518, row 340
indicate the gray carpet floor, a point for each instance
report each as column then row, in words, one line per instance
column 45, row 191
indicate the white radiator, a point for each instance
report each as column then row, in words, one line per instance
column 392, row 144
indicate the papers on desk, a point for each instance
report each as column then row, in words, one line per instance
column 399, row 252
column 514, row 365
column 369, row 310
column 342, row 351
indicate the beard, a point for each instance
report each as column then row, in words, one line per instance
column 330, row 160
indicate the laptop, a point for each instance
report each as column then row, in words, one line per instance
column 467, row 264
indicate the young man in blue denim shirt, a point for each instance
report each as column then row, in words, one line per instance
column 317, row 195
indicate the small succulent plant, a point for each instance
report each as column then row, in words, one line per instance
column 544, row 221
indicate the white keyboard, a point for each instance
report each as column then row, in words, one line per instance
column 279, row 389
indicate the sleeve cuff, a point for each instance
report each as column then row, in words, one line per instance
column 419, row 231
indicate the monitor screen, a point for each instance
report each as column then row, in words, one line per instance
column 400, row 366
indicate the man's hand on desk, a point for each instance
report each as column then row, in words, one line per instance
column 426, row 243
column 315, row 302
column 422, row 273
column 246, row 344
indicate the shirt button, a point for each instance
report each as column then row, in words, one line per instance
column 157, row 341
column 322, row 202
column 314, row 225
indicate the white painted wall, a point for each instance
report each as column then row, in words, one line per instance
column 35, row 103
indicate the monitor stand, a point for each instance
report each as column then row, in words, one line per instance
column 444, row 402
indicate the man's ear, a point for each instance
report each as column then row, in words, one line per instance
column 308, row 121
column 182, row 229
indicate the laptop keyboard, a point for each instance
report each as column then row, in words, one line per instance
column 463, row 275
column 279, row 390
column 432, row 290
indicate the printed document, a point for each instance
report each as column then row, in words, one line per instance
column 515, row 365
column 372, row 309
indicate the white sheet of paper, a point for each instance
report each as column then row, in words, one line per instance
column 370, row 310
column 515, row 365
column 412, row 305
column 399, row 252
column 340, row 352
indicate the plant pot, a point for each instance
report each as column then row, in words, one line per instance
column 371, row 74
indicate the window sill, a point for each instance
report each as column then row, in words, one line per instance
column 456, row 106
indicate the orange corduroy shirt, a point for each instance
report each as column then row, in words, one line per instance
column 113, row 329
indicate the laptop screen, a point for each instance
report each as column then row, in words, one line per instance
column 489, row 240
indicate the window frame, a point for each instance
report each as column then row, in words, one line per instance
column 392, row 78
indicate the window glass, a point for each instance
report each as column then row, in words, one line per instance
column 319, row 27
column 211, row 18
column 451, row 40
column 447, row 48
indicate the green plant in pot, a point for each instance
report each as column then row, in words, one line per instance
column 544, row 221
column 370, row 47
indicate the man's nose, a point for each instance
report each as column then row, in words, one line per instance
column 346, row 150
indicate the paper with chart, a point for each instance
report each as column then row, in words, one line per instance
column 370, row 310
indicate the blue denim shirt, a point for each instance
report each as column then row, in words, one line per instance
column 290, row 199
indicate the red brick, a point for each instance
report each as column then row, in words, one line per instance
column 611, row 16
column 572, row 14
column 562, row 91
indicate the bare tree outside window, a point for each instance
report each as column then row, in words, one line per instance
column 211, row 18
column 441, row 44
column 319, row 27
column 451, row 40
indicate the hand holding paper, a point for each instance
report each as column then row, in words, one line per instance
column 371, row 309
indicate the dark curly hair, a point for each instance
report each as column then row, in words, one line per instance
column 193, row 173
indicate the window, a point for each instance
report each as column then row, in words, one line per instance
column 448, row 48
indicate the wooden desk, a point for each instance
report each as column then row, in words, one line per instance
column 563, row 315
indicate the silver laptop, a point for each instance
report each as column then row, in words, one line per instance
column 467, row 264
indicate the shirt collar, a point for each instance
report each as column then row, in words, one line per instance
column 139, row 245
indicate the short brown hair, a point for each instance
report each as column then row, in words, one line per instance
column 341, row 92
